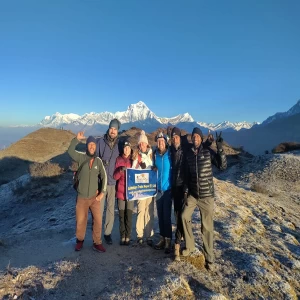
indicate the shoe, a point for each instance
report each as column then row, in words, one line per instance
column 187, row 252
column 161, row 244
column 140, row 241
column 209, row 266
column 127, row 242
column 108, row 239
column 150, row 242
column 122, row 241
column 99, row 248
column 79, row 245
column 168, row 246
column 177, row 252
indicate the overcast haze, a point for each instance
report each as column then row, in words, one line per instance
column 217, row 60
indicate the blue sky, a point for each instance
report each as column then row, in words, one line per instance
column 217, row 60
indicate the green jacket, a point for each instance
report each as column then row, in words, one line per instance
column 88, row 177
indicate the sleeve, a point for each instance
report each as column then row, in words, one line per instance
column 218, row 159
column 103, row 176
column 186, row 176
column 118, row 172
column 75, row 155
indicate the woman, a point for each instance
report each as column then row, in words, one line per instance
column 123, row 162
column 142, row 159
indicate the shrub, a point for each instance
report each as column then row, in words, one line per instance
column 285, row 147
column 46, row 169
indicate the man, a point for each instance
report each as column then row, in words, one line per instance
column 108, row 151
column 88, row 194
column 199, row 191
column 162, row 163
column 177, row 156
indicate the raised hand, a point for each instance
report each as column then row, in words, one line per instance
column 80, row 136
column 210, row 137
column 219, row 141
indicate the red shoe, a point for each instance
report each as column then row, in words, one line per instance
column 99, row 248
column 79, row 245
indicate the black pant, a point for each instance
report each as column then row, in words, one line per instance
column 125, row 217
column 178, row 209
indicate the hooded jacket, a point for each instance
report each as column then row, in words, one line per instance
column 89, row 174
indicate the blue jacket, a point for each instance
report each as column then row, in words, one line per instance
column 108, row 156
column 164, row 167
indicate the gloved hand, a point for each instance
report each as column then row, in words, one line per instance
column 143, row 165
column 219, row 141
column 210, row 138
column 154, row 168
column 123, row 169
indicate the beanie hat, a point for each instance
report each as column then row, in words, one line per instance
column 115, row 123
column 91, row 139
column 175, row 131
column 160, row 135
column 126, row 143
column 197, row 131
column 143, row 138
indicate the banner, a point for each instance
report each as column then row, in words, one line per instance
column 140, row 184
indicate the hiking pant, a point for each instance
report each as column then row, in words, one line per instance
column 164, row 208
column 83, row 205
column 178, row 195
column 145, row 218
column 125, row 217
column 206, row 207
column 110, row 199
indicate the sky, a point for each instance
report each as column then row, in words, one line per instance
column 217, row 60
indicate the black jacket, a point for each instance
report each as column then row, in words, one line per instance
column 177, row 156
column 198, row 170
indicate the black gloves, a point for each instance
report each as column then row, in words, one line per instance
column 219, row 141
column 154, row 168
column 143, row 165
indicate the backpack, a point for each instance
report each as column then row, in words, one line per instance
column 76, row 174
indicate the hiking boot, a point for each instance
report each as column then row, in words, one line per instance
column 108, row 239
column 127, row 242
column 187, row 252
column 177, row 252
column 99, row 248
column 168, row 246
column 79, row 245
column 209, row 266
column 140, row 241
column 122, row 241
column 161, row 244
column 150, row 242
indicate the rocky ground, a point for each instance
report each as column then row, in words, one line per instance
column 257, row 235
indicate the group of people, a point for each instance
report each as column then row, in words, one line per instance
column 185, row 178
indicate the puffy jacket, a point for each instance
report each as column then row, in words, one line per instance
column 88, row 175
column 145, row 158
column 163, row 164
column 177, row 157
column 198, row 170
column 108, row 152
column 120, row 175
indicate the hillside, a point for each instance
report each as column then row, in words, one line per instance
column 257, row 238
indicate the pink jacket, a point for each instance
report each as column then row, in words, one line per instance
column 119, row 175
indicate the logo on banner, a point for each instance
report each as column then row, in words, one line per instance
column 142, row 178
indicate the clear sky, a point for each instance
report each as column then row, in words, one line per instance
column 217, row 60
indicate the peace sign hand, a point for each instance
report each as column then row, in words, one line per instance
column 80, row 136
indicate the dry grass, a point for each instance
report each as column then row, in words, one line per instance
column 46, row 169
column 198, row 261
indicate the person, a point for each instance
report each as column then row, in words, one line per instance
column 162, row 163
column 108, row 151
column 199, row 191
column 177, row 159
column 123, row 162
column 142, row 159
column 89, row 196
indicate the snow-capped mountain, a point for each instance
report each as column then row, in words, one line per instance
column 136, row 115
column 236, row 126
column 292, row 111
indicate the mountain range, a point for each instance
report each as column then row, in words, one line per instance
column 254, row 137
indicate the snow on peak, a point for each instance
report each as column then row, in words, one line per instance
column 227, row 125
